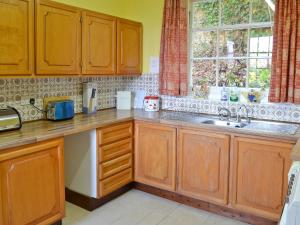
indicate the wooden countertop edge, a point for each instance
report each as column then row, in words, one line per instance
column 70, row 129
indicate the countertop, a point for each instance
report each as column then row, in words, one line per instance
column 41, row 130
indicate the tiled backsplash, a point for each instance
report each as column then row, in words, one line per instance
column 16, row 92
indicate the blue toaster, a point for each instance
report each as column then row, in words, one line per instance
column 60, row 110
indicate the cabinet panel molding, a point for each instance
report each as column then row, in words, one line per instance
column 203, row 165
column 32, row 184
column 16, row 37
column 98, row 43
column 259, row 176
column 155, row 155
column 129, row 47
column 58, row 38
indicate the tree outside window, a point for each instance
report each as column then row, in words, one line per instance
column 231, row 43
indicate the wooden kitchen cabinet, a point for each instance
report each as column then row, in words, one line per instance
column 98, row 43
column 58, row 38
column 115, row 156
column 32, row 184
column 155, row 155
column 259, row 176
column 16, row 37
column 203, row 165
column 129, row 47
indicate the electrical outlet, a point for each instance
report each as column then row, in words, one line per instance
column 32, row 101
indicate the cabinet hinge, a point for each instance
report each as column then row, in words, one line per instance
column 81, row 19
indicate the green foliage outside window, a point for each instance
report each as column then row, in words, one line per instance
column 234, row 68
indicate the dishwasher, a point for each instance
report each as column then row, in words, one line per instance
column 81, row 163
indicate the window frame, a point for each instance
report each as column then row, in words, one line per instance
column 220, row 28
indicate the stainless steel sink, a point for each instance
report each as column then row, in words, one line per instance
column 274, row 127
column 255, row 125
column 225, row 123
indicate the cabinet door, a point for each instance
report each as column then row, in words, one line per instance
column 32, row 184
column 58, row 38
column 259, row 175
column 98, row 44
column 155, row 155
column 16, row 37
column 129, row 47
column 203, row 165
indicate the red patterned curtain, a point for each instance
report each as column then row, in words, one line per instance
column 173, row 50
column 285, row 80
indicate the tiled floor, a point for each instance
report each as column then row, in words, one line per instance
column 139, row 208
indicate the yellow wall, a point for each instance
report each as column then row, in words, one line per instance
column 149, row 12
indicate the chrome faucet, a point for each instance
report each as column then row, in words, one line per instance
column 238, row 115
column 226, row 115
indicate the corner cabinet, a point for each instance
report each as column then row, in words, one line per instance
column 259, row 176
column 129, row 47
column 98, row 43
column 32, row 184
column 203, row 165
column 16, row 37
column 155, row 155
column 58, row 38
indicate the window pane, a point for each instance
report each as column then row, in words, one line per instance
column 206, row 13
column 204, row 44
column 204, row 72
column 259, row 73
column 233, row 43
column 233, row 72
column 235, row 11
column 261, row 42
column 261, row 11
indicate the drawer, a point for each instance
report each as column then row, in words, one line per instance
column 115, row 182
column 115, row 166
column 114, row 133
column 114, row 150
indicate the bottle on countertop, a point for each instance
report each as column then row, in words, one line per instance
column 234, row 94
column 224, row 93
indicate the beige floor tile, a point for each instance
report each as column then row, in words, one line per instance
column 73, row 212
column 139, row 208
column 157, row 216
column 185, row 215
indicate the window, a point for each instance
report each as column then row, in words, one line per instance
column 231, row 43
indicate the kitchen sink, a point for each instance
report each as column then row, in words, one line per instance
column 225, row 123
column 255, row 125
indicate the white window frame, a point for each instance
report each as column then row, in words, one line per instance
column 218, row 29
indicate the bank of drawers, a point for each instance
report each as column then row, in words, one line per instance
column 115, row 157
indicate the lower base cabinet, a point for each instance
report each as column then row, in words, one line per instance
column 259, row 176
column 32, row 184
column 203, row 165
column 246, row 173
column 155, row 155
column 114, row 157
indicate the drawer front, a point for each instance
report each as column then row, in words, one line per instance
column 114, row 150
column 115, row 133
column 115, row 166
column 115, row 182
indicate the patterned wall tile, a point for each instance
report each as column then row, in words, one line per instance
column 16, row 92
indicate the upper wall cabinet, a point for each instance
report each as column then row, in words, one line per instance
column 16, row 37
column 58, row 38
column 129, row 47
column 98, row 43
